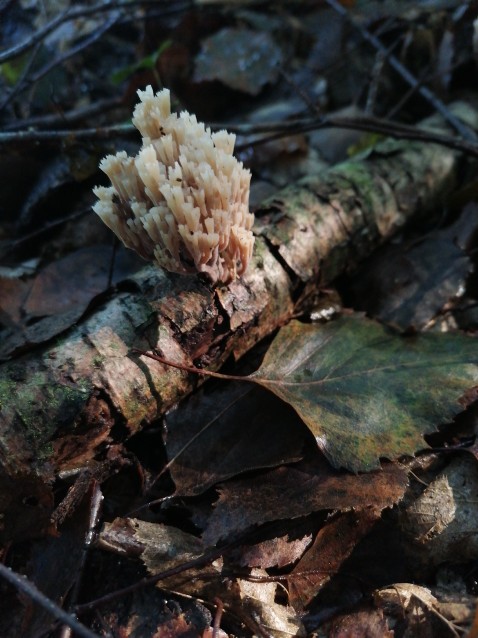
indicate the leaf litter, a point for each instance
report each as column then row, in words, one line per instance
column 208, row 438
column 243, row 467
column 409, row 283
column 292, row 492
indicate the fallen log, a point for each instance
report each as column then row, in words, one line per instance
column 60, row 401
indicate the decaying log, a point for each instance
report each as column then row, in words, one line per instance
column 59, row 402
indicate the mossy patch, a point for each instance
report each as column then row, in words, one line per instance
column 35, row 407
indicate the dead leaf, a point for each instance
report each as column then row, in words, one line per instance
column 59, row 295
column 409, row 283
column 333, row 545
column 258, row 600
column 161, row 547
column 419, row 608
column 354, row 383
column 362, row 623
column 289, row 492
column 227, row 430
column 243, row 59
column 279, row 551
column 13, row 292
column 442, row 523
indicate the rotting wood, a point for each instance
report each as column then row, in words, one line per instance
column 59, row 402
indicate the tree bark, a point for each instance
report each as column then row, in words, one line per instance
column 60, row 402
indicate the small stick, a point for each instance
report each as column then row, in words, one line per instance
column 217, row 617
column 200, row 561
column 29, row 589
column 438, row 105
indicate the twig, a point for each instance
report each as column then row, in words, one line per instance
column 29, row 589
column 51, row 136
column 377, row 69
column 396, row 108
column 424, row 91
column 26, row 70
column 24, row 81
column 375, row 125
column 368, row 124
column 38, row 36
column 80, row 12
column 93, row 523
column 375, row 81
column 8, row 247
column 68, row 117
column 200, row 561
column 304, row 96
column 217, row 617
column 86, row 42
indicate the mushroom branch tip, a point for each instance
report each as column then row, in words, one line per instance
column 183, row 200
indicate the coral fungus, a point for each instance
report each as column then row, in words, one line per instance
column 183, row 200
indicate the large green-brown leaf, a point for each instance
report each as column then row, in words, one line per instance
column 366, row 392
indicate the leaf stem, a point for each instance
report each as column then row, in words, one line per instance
column 192, row 369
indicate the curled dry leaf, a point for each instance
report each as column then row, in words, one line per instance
column 442, row 523
column 421, row 613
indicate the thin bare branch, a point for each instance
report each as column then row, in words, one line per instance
column 278, row 130
column 81, row 12
column 424, row 91
column 29, row 589
column 85, row 42
column 10, row 95
column 69, row 117
column 370, row 125
column 99, row 132
column 26, row 81
column 191, row 369
column 200, row 561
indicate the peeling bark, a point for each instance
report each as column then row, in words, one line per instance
column 59, row 402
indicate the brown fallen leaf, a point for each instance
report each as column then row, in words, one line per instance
column 441, row 525
column 161, row 547
column 290, row 492
column 333, row 545
column 58, row 295
column 279, row 551
column 362, row 623
column 418, row 607
column 242, row 59
column 258, row 600
column 209, row 436
column 409, row 283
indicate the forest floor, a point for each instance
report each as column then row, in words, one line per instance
column 324, row 482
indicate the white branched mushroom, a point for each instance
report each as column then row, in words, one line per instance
column 183, row 200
